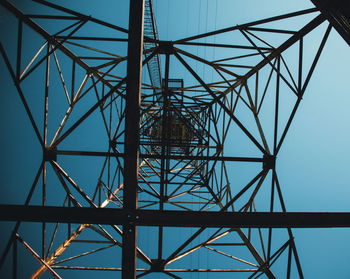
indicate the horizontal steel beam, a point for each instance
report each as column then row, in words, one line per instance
column 159, row 156
column 174, row 218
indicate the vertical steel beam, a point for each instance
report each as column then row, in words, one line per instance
column 132, row 119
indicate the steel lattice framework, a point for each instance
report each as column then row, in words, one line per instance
column 166, row 144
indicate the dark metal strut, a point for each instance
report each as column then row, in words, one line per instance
column 174, row 218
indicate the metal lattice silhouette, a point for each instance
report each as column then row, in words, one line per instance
column 201, row 138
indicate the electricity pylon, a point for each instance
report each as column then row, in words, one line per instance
column 207, row 141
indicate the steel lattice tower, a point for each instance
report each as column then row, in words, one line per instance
column 150, row 152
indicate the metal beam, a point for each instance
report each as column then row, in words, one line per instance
column 132, row 124
column 42, row 32
column 167, row 156
column 174, row 218
column 288, row 43
column 337, row 13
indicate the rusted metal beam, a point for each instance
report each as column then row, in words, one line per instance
column 175, row 218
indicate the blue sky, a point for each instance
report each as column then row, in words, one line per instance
column 312, row 164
